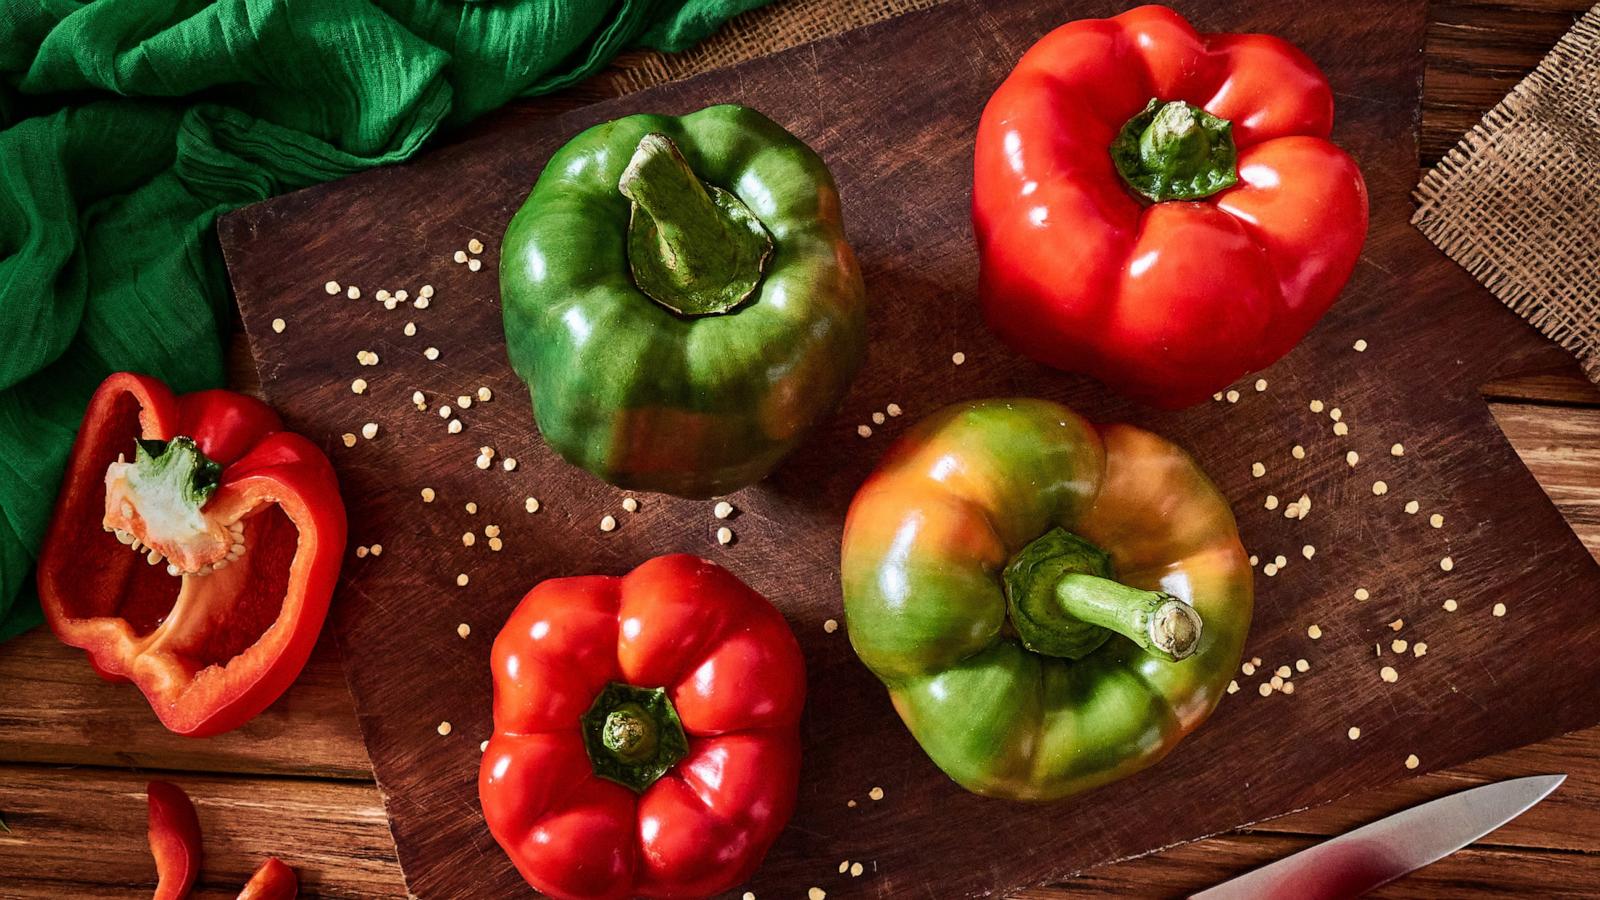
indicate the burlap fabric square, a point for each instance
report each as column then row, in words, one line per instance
column 1517, row 202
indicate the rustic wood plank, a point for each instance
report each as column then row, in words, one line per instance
column 85, row 828
column 56, row 710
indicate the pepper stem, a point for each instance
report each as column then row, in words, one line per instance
column 1158, row 622
column 694, row 248
column 1176, row 151
column 633, row 735
column 1064, row 601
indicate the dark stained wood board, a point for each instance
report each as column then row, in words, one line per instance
column 892, row 108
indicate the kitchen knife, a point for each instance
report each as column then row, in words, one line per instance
column 1376, row 854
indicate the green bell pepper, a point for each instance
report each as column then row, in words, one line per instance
column 679, row 296
column 1052, row 605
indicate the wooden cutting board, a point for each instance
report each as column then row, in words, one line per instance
column 893, row 109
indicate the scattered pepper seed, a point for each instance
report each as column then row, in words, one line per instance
column 1297, row 451
column 1412, row 762
column 1272, row 501
column 629, row 504
column 1450, row 606
column 1284, row 672
column 1316, row 406
column 1352, row 458
column 278, row 325
column 864, row 430
column 1419, row 648
column 491, row 531
column 1302, row 665
column 348, row 438
column 1411, row 507
column 856, row 869
column 369, row 430
column 376, row 549
column 485, row 395
column 445, row 411
column 421, row 302
column 484, row 462
column 419, row 398
column 1397, row 450
column 331, row 287
column 1261, row 385
column 1436, row 520
column 1254, row 560
column 878, row 418
column 1397, row 624
column 1249, row 668
column 428, row 495
column 875, row 794
column 1354, row 733
column 1499, row 610
column 472, row 508
column 608, row 523
column 474, row 265
column 892, row 409
column 1398, row 645
column 1359, row 346
column 830, row 626
column 844, row 867
column 474, row 246
column 353, row 292
column 1288, row 687
column 816, row 893
column 958, row 357
column 1233, row 687
column 510, row 465
column 431, row 353
column 464, row 630
column 462, row 579
column 1361, row 594
column 1308, row 551
column 722, row 510
column 495, row 544
column 359, row 386
column 1379, row 488
column 1270, row 569
column 483, row 747
column 1447, row 564
column 1281, row 560
column 1265, row 689
column 724, row 535
column 426, row 290
column 1257, row 470
column 1336, row 414
column 460, row 256
column 361, row 552
column 1277, row 682
column 464, row 402
column 1388, row 674
column 1217, row 396
column 1314, row 632
column 468, row 539
column 531, row 504
column 454, row 427
column 1233, row 396
column 444, row 728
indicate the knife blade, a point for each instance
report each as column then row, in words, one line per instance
column 1376, row 854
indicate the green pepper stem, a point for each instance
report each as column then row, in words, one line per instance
column 1158, row 622
column 633, row 735
column 1176, row 151
column 629, row 733
column 694, row 248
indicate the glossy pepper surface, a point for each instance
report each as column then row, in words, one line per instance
column 645, row 732
column 1052, row 605
column 679, row 295
column 1160, row 208
column 193, row 550
column 174, row 840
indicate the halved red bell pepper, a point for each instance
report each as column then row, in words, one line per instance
column 1160, row 208
column 174, row 840
column 193, row 551
column 645, row 732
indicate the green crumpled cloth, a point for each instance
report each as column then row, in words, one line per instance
column 129, row 125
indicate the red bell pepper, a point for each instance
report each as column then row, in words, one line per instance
column 645, row 732
column 272, row 881
column 174, row 840
column 248, row 520
column 1159, row 208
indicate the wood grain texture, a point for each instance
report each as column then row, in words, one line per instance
column 1468, row 71
column 1418, row 384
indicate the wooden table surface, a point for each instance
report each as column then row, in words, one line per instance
column 75, row 753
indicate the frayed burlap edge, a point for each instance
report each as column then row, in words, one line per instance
column 768, row 29
column 1517, row 201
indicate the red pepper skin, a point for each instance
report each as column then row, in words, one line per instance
column 208, row 652
column 272, row 881
column 1172, row 301
column 734, row 672
column 174, row 840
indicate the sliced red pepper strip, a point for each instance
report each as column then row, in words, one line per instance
column 273, row 881
column 174, row 840
column 248, row 521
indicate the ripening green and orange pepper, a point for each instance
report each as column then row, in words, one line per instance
column 1052, row 604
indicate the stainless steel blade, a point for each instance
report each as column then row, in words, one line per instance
column 1376, row 854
